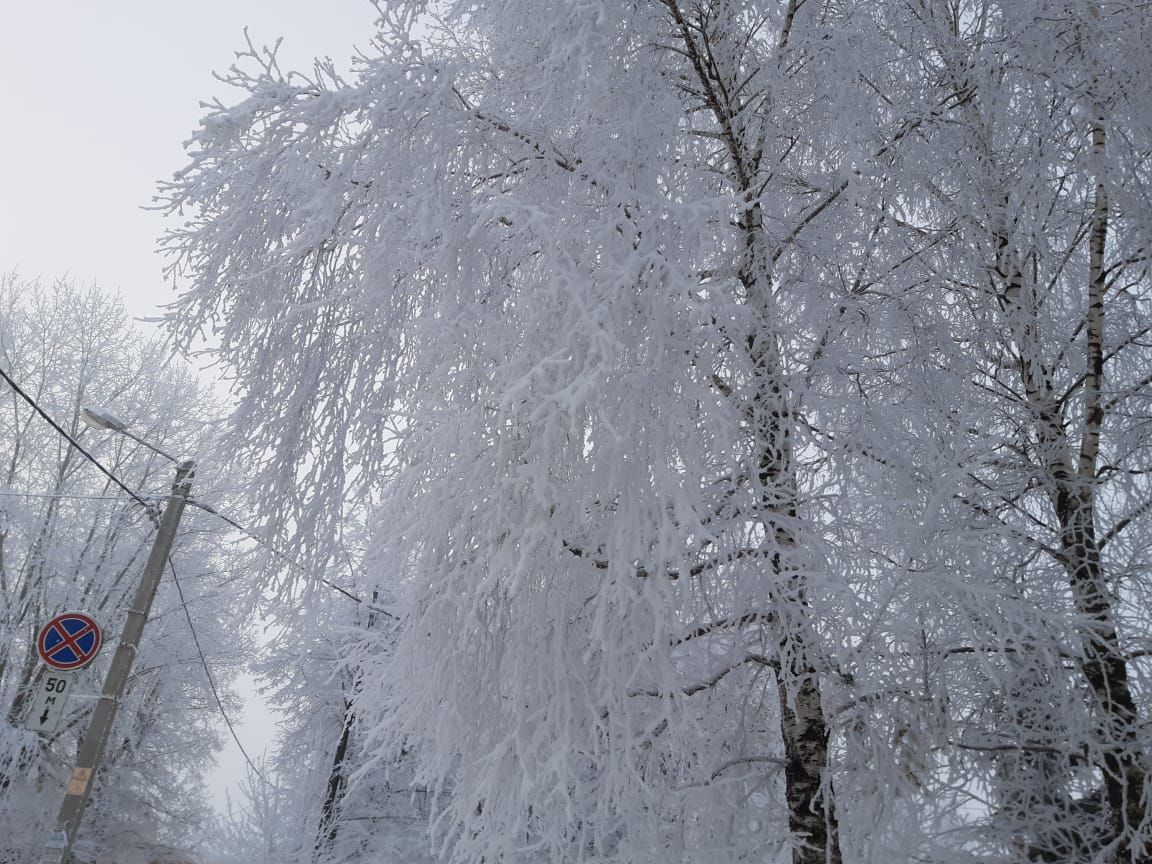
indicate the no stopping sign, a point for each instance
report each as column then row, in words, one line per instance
column 69, row 641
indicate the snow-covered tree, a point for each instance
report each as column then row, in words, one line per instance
column 576, row 329
column 1046, row 269
column 728, row 386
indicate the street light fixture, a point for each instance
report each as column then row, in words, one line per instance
column 100, row 419
column 58, row 849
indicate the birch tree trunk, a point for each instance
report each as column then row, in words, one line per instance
column 709, row 34
column 1105, row 666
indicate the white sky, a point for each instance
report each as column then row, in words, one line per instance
column 97, row 101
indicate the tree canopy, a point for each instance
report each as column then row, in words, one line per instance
column 738, row 412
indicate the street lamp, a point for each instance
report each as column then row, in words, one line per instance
column 58, row 849
column 99, row 419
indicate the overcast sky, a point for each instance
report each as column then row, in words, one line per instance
column 98, row 100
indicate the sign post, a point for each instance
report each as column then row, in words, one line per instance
column 92, row 744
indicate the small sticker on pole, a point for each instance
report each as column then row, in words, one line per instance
column 78, row 784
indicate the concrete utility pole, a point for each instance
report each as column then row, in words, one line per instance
column 58, row 849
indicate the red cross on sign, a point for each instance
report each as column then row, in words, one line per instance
column 69, row 641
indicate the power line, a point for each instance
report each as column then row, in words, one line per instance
column 283, row 556
column 61, row 496
column 75, row 443
column 212, row 682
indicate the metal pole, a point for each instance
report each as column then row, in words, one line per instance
column 58, row 850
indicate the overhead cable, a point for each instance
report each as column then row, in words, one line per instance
column 212, row 682
column 287, row 559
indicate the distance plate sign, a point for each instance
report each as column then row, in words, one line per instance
column 48, row 705
column 69, row 641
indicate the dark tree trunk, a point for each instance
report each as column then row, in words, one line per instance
column 337, row 781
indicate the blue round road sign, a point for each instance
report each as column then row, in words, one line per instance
column 69, row 641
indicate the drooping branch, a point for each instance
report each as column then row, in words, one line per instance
column 712, row 681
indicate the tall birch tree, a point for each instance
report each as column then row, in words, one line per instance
column 1048, row 274
column 560, row 283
